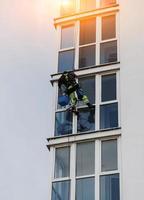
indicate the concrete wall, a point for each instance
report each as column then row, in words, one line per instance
column 27, row 58
column 132, row 97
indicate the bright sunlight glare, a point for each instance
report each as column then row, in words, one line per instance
column 65, row 2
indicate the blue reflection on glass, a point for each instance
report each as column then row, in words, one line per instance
column 86, row 120
column 63, row 123
column 66, row 61
column 109, row 116
column 61, row 190
column 109, row 187
column 85, row 189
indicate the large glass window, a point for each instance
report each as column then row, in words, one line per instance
column 85, row 189
column 80, row 179
column 86, row 120
column 105, row 3
column 109, row 116
column 109, row 187
column 66, row 60
column 108, row 27
column 63, row 123
column 108, row 87
column 62, row 162
column 67, row 36
column 87, row 31
column 61, row 190
column 108, row 52
column 87, row 5
column 109, row 155
column 87, row 56
column 85, row 161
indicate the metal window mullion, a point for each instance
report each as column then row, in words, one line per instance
column 77, row 30
column 98, row 38
column 72, row 171
column 97, row 167
column 52, row 161
column 85, row 176
column 118, row 96
column 118, row 35
column 108, row 102
column 98, row 88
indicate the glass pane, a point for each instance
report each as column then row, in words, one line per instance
column 109, row 155
column 67, row 7
column 67, row 37
column 109, row 187
column 86, row 120
column 109, row 116
column 62, row 162
column 85, row 189
column 88, row 86
column 109, row 87
column 107, row 2
column 85, row 159
column 87, row 56
column 87, row 31
column 66, row 60
column 63, row 123
column 108, row 27
column 87, row 5
column 108, row 52
column 61, row 190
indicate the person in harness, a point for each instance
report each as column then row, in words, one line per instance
column 68, row 85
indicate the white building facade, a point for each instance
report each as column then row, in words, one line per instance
column 99, row 156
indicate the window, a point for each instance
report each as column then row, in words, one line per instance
column 85, row 164
column 108, row 46
column 109, row 155
column 66, row 60
column 67, row 36
column 85, row 189
column 67, row 51
column 61, row 190
column 105, row 3
column 63, row 123
column 109, row 103
column 67, row 7
column 108, row 27
column 86, row 176
column 108, row 87
column 109, row 187
column 62, row 162
column 87, row 43
column 108, row 52
column 87, row 5
column 104, row 114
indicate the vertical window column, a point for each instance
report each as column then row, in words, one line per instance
column 87, row 43
column 109, row 102
column 67, row 48
column 61, row 183
column 108, row 44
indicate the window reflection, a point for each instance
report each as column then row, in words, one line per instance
column 109, row 116
column 66, row 60
column 63, row 123
column 86, row 120
column 109, row 187
column 61, row 190
column 108, row 52
column 85, row 189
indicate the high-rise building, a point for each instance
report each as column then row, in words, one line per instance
column 94, row 155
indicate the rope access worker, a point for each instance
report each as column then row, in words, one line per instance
column 68, row 86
